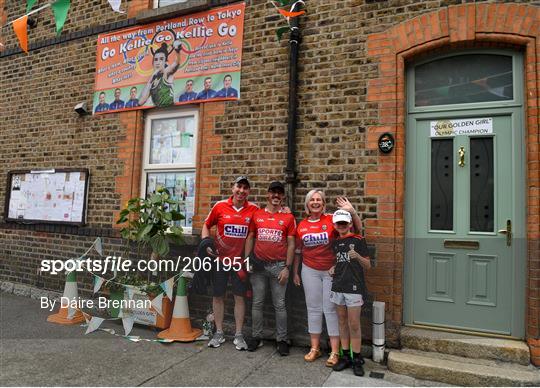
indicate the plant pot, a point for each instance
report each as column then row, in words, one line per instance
column 144, row 316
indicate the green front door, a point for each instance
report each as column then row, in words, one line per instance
column 465, row 250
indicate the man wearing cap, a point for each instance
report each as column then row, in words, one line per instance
column 232, row 218
column 272, row 238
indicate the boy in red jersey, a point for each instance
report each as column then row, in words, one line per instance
column 232, row 218
column 348, row 289
column 273, row 234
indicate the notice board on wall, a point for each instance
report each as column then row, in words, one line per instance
column 56, row 196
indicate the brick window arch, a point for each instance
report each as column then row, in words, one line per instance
column 466, row 25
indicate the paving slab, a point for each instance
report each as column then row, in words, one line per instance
column 34, row 352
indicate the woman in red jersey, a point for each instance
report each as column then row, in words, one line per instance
column 315, row 235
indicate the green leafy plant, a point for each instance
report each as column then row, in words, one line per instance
column 152, row 289
column 150, row 222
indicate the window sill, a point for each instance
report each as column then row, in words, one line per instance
column 172, row 10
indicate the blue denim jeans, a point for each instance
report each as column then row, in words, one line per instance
column 260, row 280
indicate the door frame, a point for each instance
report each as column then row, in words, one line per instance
column 513, row 108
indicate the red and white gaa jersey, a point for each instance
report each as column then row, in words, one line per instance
column 271, row 232
column 314, row 239
column 232, row 226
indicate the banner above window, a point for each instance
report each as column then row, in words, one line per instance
column 192, row 58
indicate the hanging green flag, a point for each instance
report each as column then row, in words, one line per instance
column 60, row 9
column 30, row 4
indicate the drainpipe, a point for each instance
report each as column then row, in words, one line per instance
column 290, row 171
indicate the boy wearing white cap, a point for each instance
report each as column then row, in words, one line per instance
column 348, row 289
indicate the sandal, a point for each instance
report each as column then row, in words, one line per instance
column 332, row 359
column 312, row 355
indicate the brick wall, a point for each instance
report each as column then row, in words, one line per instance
column 350, row 82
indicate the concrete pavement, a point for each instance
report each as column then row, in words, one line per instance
column 34, row 352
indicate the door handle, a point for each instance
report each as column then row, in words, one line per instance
column 507, row 232
column 461, row 155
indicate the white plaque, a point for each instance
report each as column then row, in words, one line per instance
column 463, row 127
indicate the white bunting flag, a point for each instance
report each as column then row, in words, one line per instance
column 94, row 324
column 98, row 246
column 127, row 322
column 167, row 286
column 157, row 303
column 115, row 5
column 130, row 291
column 98, row 281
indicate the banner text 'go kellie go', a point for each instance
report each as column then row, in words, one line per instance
column 177, row 61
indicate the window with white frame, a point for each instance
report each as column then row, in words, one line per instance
column 169, row 158
column 164, row 3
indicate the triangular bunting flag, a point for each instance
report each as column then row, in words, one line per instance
column 157, row 304
column 94, row 324
column 60, row 9
column 30, row 4
column 167, row 286
column 115, row 5
column 127, row 322
column 20, row 28
column 87, row 317
column 97, row 283
column 130, row 291
column 288, row 14
column 98, row 246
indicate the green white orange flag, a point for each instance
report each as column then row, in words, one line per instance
column 20, row 28
column 60, row 9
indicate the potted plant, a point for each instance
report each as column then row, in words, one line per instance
column 117, row 289
column 151, row 224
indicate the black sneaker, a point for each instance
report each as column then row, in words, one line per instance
column 283, row 348
column 358, row 369
column 344, row 362
column 253, row 344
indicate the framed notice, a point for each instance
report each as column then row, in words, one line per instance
column 47, row 196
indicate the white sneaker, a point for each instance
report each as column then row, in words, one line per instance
column 216, row 340
column 240, row 342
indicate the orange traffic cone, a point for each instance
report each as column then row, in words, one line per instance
column 180, row 329
column 70, row 292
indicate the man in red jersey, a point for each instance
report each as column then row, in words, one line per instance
column 232, row 218
column 273, row 234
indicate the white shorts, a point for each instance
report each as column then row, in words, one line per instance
column 344, row 299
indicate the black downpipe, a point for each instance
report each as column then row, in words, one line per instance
column 290, row 171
